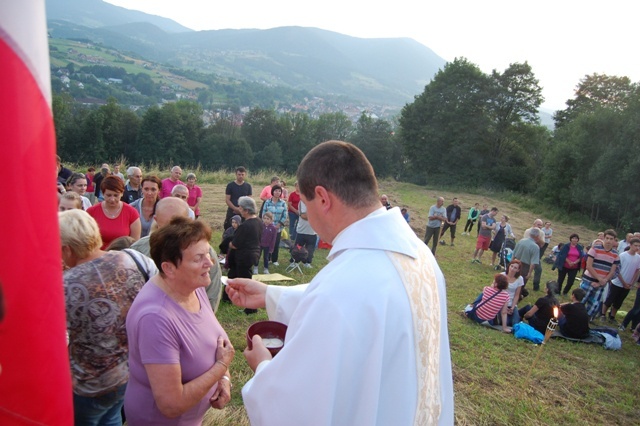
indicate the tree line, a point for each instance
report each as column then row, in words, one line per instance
column 467, row 129
column 175, row 133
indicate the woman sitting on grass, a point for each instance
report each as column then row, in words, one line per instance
column 539, row 314
column 516, row 282
column 493, row 300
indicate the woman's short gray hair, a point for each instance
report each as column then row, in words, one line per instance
column 80, row 232
column 191, row 176
column 248, row 204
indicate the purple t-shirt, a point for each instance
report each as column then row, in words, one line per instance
column 162, row 332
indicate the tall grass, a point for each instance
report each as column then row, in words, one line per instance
column 219, row 177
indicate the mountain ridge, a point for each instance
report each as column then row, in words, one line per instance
column 385, row 71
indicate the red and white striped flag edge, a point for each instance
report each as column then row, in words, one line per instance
column 35, row 379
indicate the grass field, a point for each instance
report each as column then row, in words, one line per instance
column 573, row 384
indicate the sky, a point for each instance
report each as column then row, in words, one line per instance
column 562, row 40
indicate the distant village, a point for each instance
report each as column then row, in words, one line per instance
column 172, row 89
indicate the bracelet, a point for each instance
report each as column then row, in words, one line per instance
column 225, row 377
column 225, row 365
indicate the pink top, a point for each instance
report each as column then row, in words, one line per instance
column 265, row 193
column 110, row 229
column 572, row 256
column 167, row 187
column 490, row 309
column 194, row 194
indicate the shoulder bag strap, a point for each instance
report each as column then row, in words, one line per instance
column 485, row 301
column 142, row 270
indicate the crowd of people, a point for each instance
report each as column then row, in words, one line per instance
column 609, row 270
column 143, row 285
column 144, row 340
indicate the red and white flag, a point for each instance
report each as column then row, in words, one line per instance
column 35, row 379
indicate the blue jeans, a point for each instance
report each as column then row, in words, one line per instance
column 266, row 256
column 103, row 410
column 472, row 316
column 293, row 222
column 514, row 318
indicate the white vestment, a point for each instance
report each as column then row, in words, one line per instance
column 367, row 340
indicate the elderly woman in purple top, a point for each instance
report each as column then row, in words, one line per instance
column 179, row 355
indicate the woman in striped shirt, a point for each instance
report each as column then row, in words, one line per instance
column 493, row 300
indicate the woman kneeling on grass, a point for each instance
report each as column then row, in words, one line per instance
column 493, row 300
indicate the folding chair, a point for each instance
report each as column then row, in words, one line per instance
column 293, row 266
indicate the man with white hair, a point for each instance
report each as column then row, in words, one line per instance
column 167, row 209
column 542, row 244
column 182, row 192
column 384, row 200
column 132, row 188
column 171, row 181
column 527, row 251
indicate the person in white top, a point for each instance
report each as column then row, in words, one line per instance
column 367, row 340
column 182, row 192
column 77, row 183
column 622, row 283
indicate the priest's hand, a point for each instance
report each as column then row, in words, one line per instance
column 257, row 353
column 247, row 293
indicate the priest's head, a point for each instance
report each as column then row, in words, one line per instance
column 338, row 186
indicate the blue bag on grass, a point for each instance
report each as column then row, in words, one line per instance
column 522, row 330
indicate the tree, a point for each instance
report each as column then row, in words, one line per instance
column 170, row 134
column 120, row 129
column 516, row 98
column 270, row 157
column 63, row 118
column 332, row 126
column 448, row 121
column 375, row 138
column 296, row 139
column 594, row 91
column 260, row 128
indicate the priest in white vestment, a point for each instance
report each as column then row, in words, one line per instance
column 367, row 340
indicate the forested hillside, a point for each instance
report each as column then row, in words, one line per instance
column 467, row 129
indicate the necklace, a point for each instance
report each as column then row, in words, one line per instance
column 109, row 214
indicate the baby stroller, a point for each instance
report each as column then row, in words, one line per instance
column 505, row 253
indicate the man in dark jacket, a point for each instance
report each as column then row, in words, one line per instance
column 453, row 216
